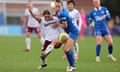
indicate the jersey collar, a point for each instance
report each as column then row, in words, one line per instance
column 97, row 9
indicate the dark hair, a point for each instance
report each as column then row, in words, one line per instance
column 46, row 12
column 59, row 1
column 71, row 1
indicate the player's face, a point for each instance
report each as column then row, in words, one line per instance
column 47, row 17
column 58, row 6
column 30, row 5
column 70, row 6
column 96, row 3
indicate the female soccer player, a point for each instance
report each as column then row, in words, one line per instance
column 50, row 34
column 32, row 25
column 65, row 22
column 100, row 15
column 75, row 15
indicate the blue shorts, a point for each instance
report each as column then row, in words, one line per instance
column 74, row 36
column 101, row 32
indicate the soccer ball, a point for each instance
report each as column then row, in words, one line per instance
column 63, row 37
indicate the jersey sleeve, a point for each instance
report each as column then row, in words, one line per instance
column 90, row 17
column 64, row 17
column 37, row 11
column 107, row 14
column 26, row 12
column 80, row 22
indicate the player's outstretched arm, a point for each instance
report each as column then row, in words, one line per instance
column 35, row 16
column 25, row 21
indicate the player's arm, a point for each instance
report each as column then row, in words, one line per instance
column 90, row 19
column 79, row 20
column 25, row 21
column 107, row 14
column 35, row 16
column 63, row 23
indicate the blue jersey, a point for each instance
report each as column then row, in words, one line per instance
column 64, row 17
column 96, row 16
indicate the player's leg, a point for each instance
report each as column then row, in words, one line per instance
column 98, row 47
column 28, row 39
column 54, row 44
column 69, row 53
column 76, row 50
column 98, row 37
column 109, row 40
column 44, row 55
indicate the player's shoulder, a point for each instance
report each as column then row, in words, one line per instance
column 75, row 11
column 64, row 11
column 54, row 17
column 92, row 11
column 35, row 9
column 26, row 10
column 104, row 8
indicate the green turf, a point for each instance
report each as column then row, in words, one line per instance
column 13, row 58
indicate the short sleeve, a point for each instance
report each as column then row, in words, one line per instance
column 26, row 12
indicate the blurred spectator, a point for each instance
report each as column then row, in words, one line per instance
column 84, row 25
column 117, row 20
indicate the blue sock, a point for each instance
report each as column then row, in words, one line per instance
column 110, row 49
column 98, row 48
column 70, row 57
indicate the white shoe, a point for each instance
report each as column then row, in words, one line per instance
column 112, row 58
column 98, row 59
column 70, row 68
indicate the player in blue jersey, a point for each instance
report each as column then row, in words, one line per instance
column 100, row 15
column 65, row 21
column 76, row 20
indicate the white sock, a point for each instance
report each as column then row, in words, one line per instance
column 109, row 55
column 49, row 49
column 42, row 40
column 76, row 49
column 28, row 43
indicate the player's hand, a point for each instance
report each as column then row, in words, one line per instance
column 91, row 25
column 23, row 26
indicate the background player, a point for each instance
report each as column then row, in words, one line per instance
column 32, row 25
column 84, row 24
column 100, row 15
column 75, row 15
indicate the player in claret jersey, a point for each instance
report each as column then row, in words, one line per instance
column 100, row 15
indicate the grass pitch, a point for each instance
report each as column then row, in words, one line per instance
column 13, row 58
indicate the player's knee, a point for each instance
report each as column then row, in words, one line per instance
column 27, row 34
column 99, row 42
column 110, row 42
column 66, row 49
